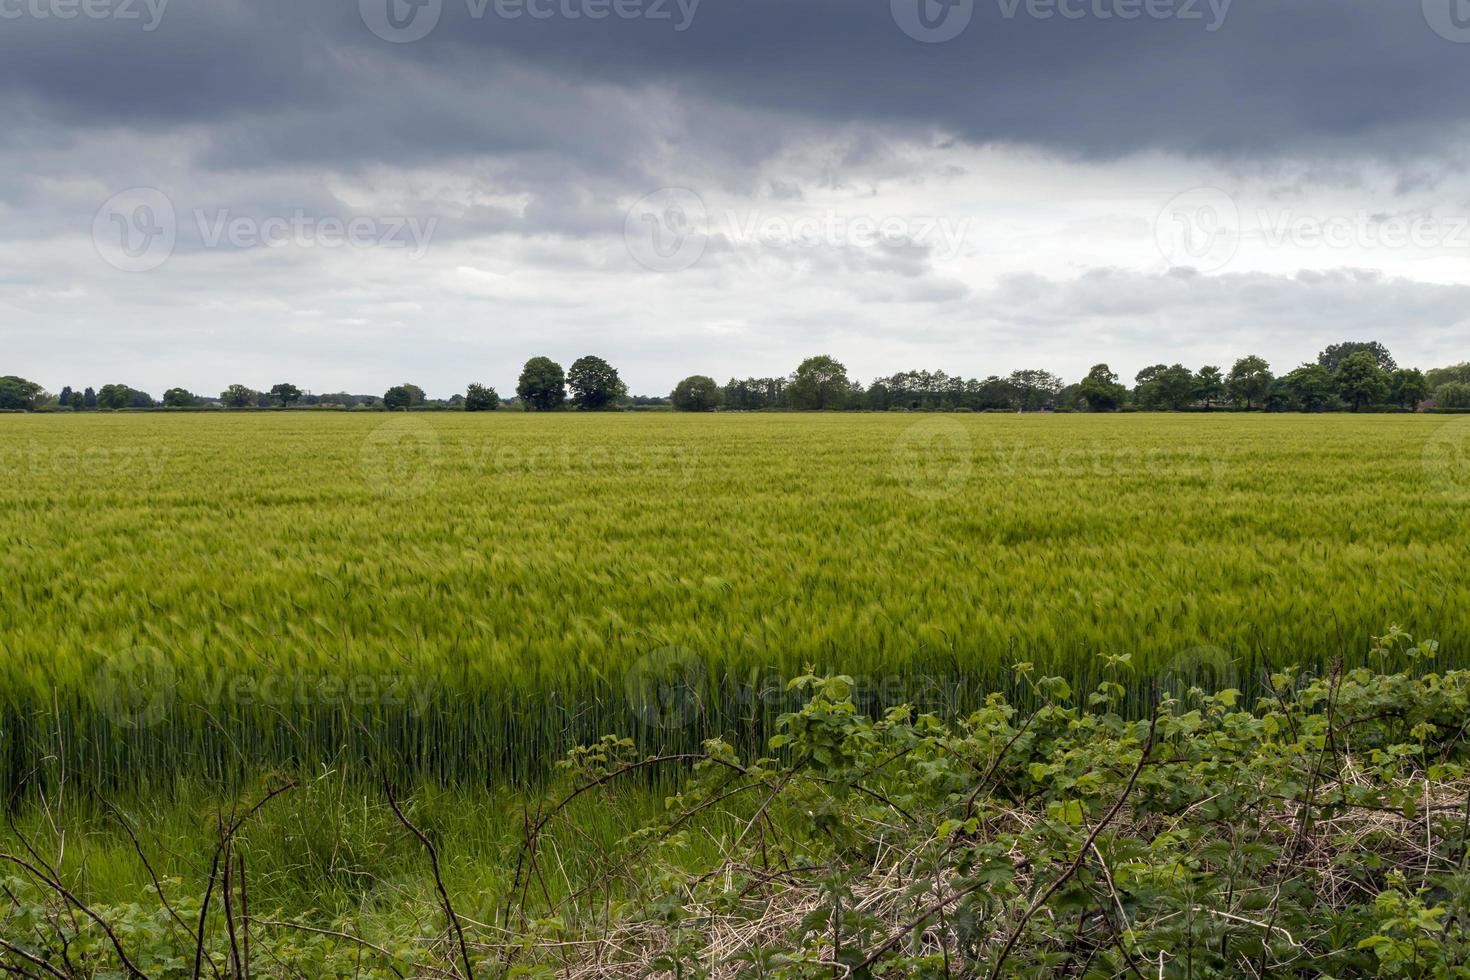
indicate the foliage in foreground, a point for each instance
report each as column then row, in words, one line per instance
column 1322, row 831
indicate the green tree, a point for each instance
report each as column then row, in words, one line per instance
column 1100, row 390
column 1033, row 390
column 1169, row 387
column 18, row 393
column 595, row 384
column 238, row 396
column 398, row 398
column 89, row 398
column 285, row 394
column 481, row 399
column 1209, row 386
column 697, row 393
column 1310, row 388
column 65, row 398
column 1249, row 382
column 121, row 396
column 819, row 384
column 1407, row 387
column 1332, row 357
column 178, row 398
column 1360, row 381
column 543, row 385
column 1452, row 394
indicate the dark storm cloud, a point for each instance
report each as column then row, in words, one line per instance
column 303, row 80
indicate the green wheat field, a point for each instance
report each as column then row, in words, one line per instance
column 205, row 596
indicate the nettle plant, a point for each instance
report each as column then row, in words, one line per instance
column 1322, row 831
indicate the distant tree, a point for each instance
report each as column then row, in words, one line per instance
column 1170, row 387
column 481, row 399
column 595, row 385
column 1332, row 357
column 89, row 398
column 64, row 399
column 1100, row 390
column 1407, row 387
column 1360, row 381
column 178, row 398
column 285, row 394
column 697, row 393
column 121, row 396
column 1452, row 394
column 416, row 396
column 1444, row 375
column 397, row 399
column 819, row 384
column 542, row 386
column 1035, row 390
column 238, row 396
column 1209, row 386
column 755, row 394
column 18, row 393
column 1310, row 388
column 1249, row 382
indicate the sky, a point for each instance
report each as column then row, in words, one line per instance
column 351, row 194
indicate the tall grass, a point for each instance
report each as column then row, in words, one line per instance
column 462, row 597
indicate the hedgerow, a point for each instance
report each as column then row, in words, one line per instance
column 1322, row 829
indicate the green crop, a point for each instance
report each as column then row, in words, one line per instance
column 463, row 597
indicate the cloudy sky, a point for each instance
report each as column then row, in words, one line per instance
column 348, row 194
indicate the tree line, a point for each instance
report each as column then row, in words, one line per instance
column 1350, row 376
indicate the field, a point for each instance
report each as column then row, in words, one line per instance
column 204, row 596
column 203, row 609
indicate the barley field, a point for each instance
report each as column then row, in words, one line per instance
column 465, row 596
